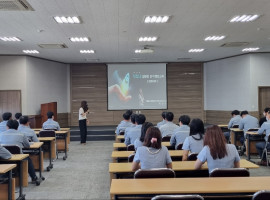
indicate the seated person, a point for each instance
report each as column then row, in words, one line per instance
column 50, row 124
column 6, row 116
column 263, row 119
column 152, row 154
column 124, row 123
column 139, row 141
column 17, row 116
column 235, row 120
column 265, row 128
column 163, row 115
column 216, row 151
column 12, row 137
column 26, row 130
column 133, row 133
column 194, row 142
column 181, row 133
column 168, row 128
column 4, row 153
column 133, row 123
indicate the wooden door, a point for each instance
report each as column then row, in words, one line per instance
column 10, row 101
column 264, row 99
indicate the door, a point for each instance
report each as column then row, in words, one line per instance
column 10, row 101
column 264, row 99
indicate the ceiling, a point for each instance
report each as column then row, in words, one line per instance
column 114, row 27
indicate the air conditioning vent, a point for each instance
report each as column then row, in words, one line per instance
column 53, row 46
column 234, row 44
column 15, row 5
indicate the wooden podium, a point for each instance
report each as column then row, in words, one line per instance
column 46, row 107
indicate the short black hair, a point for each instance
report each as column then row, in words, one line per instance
column 145, row 126
column 12, row 124
column 163, row 114
column 267, row 109
column 185, row 119
column 126, row 116
column 50, row 114
column 6, row 116
column 169, row 116
column 129, row 112
column 140, row 119
column 245, row 112
column 235, row 112
column 133, row 117
column 196, row 126
column 24, row 119
column 18, row 115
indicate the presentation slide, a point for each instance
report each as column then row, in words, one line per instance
column 137, row 86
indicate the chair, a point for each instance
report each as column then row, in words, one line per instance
column 229, row 172
column 192, row 156
column 179, row 146
column 131, row 157
column 266, row 151
column 166, row 138
column 48, row 133
column 176, row 197
column 261, row 195
column 235, row 126
column 122, row 133
column 130, row 147
column 13, row 149
column 154, row 173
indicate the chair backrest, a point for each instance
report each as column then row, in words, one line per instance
column 130, row 147
column 166, row 138
column 13, row 149
column 176, row 197
column 154, row 173
column 122, row 133
column 261, row 195
column 235, row 126
column 131, row 157
column 47, row 133
column 229, row 172
column 192, row 156
column 179, row 146
column 253, row 129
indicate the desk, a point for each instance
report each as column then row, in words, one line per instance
column 223, row 125
column 7, row 168
column 218, row 186
column 234, row 133
column 19, row 159
column 125, row 168
column 51, row 143
column 62, row 129
column 251, row 148
column 119, row 145
column 124, row 154
column 119, row 138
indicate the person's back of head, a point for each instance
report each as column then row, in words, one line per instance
column 184, row 119
column 132, row 118
column 12, row 124
column 140, row 119
column 84, row 106
column 24, row 120
column 50, row 114
column 215, row 140
column 243, row 113
column 169, row 116
column 153, row 138
column 266, row 110
column 145, row 126
column 196, row 127
column 235, row 112
column 129, row 112
column 18, row 115
column 163, row 115
column 126, row 116
column 6, row 116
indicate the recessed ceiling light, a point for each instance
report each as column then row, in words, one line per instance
column 214, row 38
column 156, row 19
column 10, row 39
column 30, row 51
column 87, row 51
column 251, row 49
column 244, row 18
column 67, row 20
column 144, row 50
column 79, row 39
column 195, row 50
column 148, row 39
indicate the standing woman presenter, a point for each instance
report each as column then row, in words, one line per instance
column 83, row 111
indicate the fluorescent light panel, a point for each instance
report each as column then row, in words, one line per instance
column 87, row 51
column 138, row 51
column 195, row 50
column 148, row 39
column 30, row 51
column 156, row 19
column 244, row 18
column 214, row 38
column 10, row 39
column 79, row 39
column 251, row 49
column 67, row 20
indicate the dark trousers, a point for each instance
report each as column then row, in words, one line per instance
column 31, row 169
column 83, row 130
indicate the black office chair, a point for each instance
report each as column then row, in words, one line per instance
column 266, row 151
column 261, row 195
column 229, row 172
column 179, row 146
column 48, row 133
column 178, row 197
column 13, row 149
column 235, row 126
column 130, row 147
column 122, row 133
column 192, row 156
column 154, row 173
column 131, row 157
column 166, row 138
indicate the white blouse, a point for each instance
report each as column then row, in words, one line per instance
column 82, row 114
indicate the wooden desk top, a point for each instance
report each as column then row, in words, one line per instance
column 190, row 185
column 16, row 157
column 236, row 130
column 252, row 133
column 223, row 125
column 125, row 154
column 56, row 132
column 36, row 145
column 176, row 166
column 123, row 145
column 120, row 137
column 44, row 139
column 62, row 129
column 4, row 168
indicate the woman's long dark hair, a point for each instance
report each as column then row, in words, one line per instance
column 152, row 138
column 145, row 126
column 84, row 106
column 196, row 127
